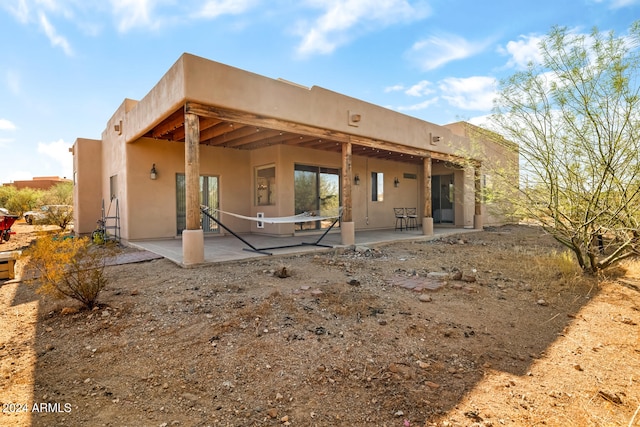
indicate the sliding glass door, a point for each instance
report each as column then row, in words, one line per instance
column 442, row 198
column 317, row 189
column 209, row 196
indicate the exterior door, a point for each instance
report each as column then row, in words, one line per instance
column 209, row 196
column 317, row 189
column 442, row 199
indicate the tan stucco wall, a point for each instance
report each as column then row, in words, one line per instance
column 368, row 214
column 153, row 202
column 87, row 194
column 498, row 157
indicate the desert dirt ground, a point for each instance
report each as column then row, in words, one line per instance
column 483, row 329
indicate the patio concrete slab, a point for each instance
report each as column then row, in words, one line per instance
column 225, row 248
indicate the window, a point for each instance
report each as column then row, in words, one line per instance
column 265, row 180
column 377, row 186
column 113, row 186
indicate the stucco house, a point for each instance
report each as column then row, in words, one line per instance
column 210, row 134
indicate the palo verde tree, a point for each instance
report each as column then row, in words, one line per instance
column 576, row 118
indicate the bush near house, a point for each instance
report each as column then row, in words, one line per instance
column 69, row 267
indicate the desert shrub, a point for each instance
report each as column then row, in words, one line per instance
column 58, row 215
column 69, row 267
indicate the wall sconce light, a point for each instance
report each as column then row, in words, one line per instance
column 396, row 182
column 356, row 179
column 154, row 173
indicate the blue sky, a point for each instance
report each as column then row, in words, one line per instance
column 66, row 65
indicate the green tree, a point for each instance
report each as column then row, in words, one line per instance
column 23, row 200
column 576, row 119
column 59, row 194
column 6, row 193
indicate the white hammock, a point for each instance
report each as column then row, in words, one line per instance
column 302, row 217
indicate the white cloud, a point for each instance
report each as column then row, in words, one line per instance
column 343, row 20
column 523, row 51
column 618, row 4
column 471, row 93
column 54, row 37
column 134, row 13
column 421, row 88
column 434, row 52
column 215, row 8
column 127, row 14
column 20, row 9
column 482, row 121
column 420, row 106
column 33, row 12
column 59, row 152
column 394, row 88
column 7, row 125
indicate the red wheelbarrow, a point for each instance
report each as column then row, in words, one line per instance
column 6, row 221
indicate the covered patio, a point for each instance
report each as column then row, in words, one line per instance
column 250, row 147
column 227, row 248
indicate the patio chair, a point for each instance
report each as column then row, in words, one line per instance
column 401, row 218
column 411, row 215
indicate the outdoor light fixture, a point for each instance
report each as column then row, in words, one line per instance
column 154, row 173
column 396, row 182
column 356, row 179
column 435, row 139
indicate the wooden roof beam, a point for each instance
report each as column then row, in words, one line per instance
column 263, row 121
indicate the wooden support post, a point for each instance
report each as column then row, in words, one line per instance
column 477, row 218
column 192, row 236
column 347, row 226
column 346, row 183
column 478, row 191
column 192, row 170
column 427, row 220
column 428, row 209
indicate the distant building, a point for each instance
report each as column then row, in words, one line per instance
column 38, row 182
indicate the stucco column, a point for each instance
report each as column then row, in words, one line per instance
column 193, row 236
column 347, row 227
column 427, row 220
column 477, row 217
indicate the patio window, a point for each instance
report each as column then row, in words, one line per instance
column 265, row 179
